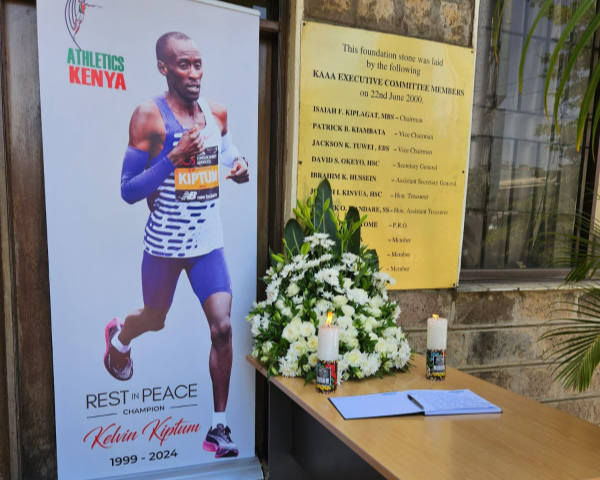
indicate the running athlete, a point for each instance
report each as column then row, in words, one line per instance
column 176, row 142
column 81, row 14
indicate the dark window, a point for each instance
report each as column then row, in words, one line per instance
column 525, row 181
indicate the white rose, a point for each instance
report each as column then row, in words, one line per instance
column 347, row 283
column 340, row 300
column 382, row 346
column 299, row 347
column 312, row 359
column 355, row 358
column 297, row 321
column 287, row 312
column 348, row 310
column 344, row 322
column 255, row 331
column 267, row 346
column 373, row 336
column 376, row 312
column 279, row 304
column 307, row 329
column 293, row 290
column 312, row 343
column 290, row 332
column 353, row 343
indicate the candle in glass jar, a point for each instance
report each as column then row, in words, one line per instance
column 327, row 356
column 437, row 338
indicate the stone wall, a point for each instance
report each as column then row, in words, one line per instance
column 448, row 21
column 494, row 329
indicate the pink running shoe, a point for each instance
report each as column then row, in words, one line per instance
column 218, row 440
column 118, row 364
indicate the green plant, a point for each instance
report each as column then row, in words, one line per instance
column 574, row 334
column 324, row 268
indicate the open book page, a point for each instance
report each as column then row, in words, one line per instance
column 451, row 402
column 376, row 405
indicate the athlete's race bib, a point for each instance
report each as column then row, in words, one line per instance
column 197, row 179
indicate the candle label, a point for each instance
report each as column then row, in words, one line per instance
column 326, row 375
column 436, row 364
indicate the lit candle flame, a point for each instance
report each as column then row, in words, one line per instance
column 329, row 318
column 435, row 316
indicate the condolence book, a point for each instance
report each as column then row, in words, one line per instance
column 410, row 402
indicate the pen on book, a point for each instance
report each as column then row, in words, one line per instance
column 415, row 402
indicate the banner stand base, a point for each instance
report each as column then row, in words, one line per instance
column 244, row 469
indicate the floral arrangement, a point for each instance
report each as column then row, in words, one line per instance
column 325, row 268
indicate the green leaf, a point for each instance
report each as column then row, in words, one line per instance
column 273, row 261
column 543, row 9
column 576, row 353
column 353, row 216
column 497, row 23
column 309, row 377
column 573, row 58
column 294, row 237
column 581, row 10
column 323, row 222
column 305, row 248
column 373, row 258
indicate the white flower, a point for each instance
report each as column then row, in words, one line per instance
column 312, row 343
column 358, row 295
column 371, row 365
column 312, row 359
column 323, row 306
column 307, row 329
column 348, row 310
column 290, row 332
column 297, row 321
column 373, row 336
column 299, row 347
column 293, row 290
column 328, row 275
column 381, row 346
column 376, row 312
column 403, row 355
column 266, row 348
column 325, row 258
column 287, row 312
column 353, row 343
column 340, row 300
column 297, row 300
column 347, row 283
column 344, row 322
column 255, row 330
column 376, row 302
column 355, row 358
column 286, row 270
column 279, row 304
column 289, row 366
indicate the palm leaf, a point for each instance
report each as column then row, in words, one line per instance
column 573, row 57
column 544, row 8
column 586, row 104
column 572, row 23
column 576, row 353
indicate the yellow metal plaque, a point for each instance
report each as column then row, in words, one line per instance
column 386, row 119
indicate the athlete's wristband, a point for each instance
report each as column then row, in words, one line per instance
column 137, row 182
column 229, row 151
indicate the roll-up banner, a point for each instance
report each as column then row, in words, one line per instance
column 149, row 120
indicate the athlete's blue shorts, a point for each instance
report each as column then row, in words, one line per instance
column 208, row 274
